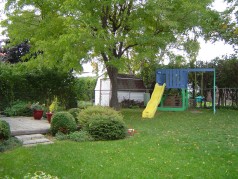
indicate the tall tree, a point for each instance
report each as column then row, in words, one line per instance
column 228, row 29
column 69, row 31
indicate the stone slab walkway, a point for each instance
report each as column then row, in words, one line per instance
column 33, row 139
column 26, row 125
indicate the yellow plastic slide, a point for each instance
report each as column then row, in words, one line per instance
column 154, row 101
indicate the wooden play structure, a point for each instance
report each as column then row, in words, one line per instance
column 174, row 79
column 178, row 79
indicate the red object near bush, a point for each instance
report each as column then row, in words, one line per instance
column 37, row 114
column 49, row 116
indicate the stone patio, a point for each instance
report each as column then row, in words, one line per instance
column 26, row 125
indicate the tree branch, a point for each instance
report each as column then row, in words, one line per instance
column 104, row 56
column 129, row 46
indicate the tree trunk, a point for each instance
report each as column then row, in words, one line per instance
column 113, row 73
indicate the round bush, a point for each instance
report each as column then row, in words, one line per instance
column 103, row 123
column 5, row 132
column 86, row 114
column 74, row 112
column 63, row 122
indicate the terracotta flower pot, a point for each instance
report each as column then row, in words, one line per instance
column 37, row 114
column 49, row 116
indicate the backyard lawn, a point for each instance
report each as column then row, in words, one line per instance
column 172, row 145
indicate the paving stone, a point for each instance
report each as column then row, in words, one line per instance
column 30, row 137
column 37, row 141
column 27, row 125
column 34, row 139
column 28, row 130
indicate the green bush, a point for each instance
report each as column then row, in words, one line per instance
column 18, row 82
column 74, row 112
column 18, row 108
column 84, row 104
column 103, row 123
column 87, row 113
column 84, row 88
column 63, row 122
column 78, row 136
column 5, row 132
column 9, row 144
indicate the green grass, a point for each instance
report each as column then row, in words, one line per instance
column 172, row 145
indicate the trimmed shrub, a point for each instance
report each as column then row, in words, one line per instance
column 75, row 112
column 103, row 123
column 86, row 114
column 5, row 132
column 18, row 108
column 84, row 104
column 102, row 127
column 63, row 122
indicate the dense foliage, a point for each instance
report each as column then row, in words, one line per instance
column 63, row 122
column 18, row 82
column 74, row 112
column 77, row 136
column 84, row 88
column 85, row 115
column 14, row 54
column 18, row 108
column 228, row 30
column 5, row 132
column 103, row 123
column 9, row 144
column 103, row 127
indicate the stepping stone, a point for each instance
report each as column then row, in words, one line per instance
column 33, row 139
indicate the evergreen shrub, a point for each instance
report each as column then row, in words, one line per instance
column 18, row 108
column 74, row 112
column 103, row 123
column 5, row 132
column 84, row 104
column 85, row 115
column 63, row 122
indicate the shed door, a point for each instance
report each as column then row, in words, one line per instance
column 105, row 92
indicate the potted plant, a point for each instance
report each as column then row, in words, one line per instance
column 49, row 116
column 53, row 107
column 37, row 110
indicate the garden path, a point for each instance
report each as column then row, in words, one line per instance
column 27, row 125
column 28, row 130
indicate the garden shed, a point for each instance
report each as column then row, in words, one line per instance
column 129, row 87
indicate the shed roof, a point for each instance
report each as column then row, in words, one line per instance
column 130, row 82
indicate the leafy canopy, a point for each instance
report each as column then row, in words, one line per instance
column 68, row 31
column 115, row 32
